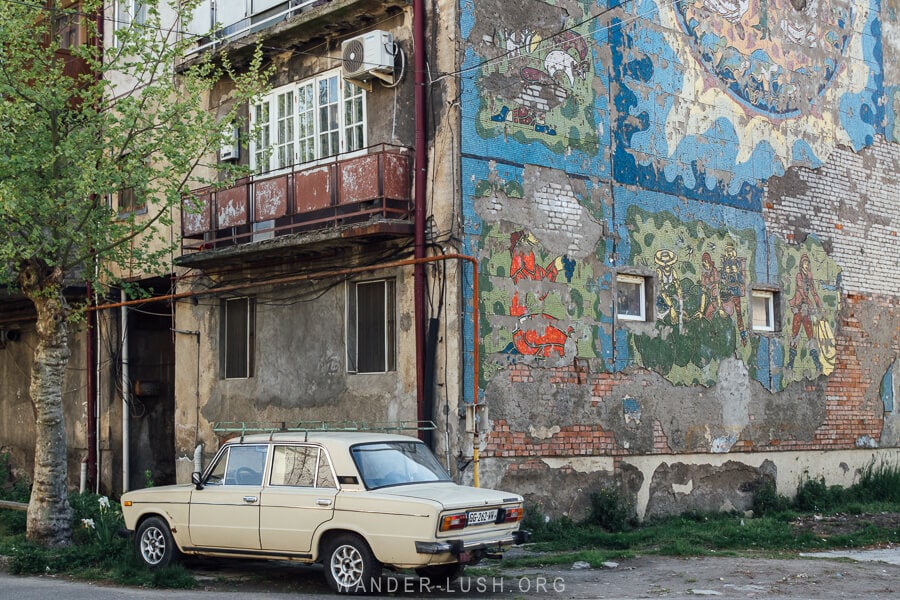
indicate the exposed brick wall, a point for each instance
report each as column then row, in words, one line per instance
column 853, row 413
column 850, row 203
column 576, row 440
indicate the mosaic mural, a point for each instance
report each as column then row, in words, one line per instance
column 663, row 104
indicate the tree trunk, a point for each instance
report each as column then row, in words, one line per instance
column 49, row 514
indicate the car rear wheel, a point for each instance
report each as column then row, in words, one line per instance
column 350, row 566
column 154, row 544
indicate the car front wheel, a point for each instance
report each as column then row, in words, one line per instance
column 350, row 566
column 154, row 543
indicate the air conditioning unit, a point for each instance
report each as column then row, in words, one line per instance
column 231, row 147
column 368, row 55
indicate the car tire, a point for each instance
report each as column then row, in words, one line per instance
column 442, row 575
column 154, row 544
column 350, row 566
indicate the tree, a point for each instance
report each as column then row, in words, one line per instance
column 80, row 124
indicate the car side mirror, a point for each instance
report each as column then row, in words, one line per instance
column 195, row 479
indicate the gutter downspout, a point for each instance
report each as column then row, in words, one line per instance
column 91, row 409
column 126, row 457
column 420, row 186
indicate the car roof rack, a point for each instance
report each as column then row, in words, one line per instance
column 223, row 428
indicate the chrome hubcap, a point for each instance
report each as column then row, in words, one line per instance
column 153, row 545
column 347, row 567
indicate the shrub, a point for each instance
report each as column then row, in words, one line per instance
column 879, row 483
column 813, row 495
column 609, row 511
column 767, row 500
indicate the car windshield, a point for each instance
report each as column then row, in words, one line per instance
column 397, row 463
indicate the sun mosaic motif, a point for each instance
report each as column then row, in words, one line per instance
column 776, row 56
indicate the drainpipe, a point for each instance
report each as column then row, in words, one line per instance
column 420, row 185
column 126, row 457
column 91, row 412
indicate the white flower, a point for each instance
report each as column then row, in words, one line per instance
column 103, row 501
column 87, row 523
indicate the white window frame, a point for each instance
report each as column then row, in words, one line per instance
column 641, row 282
column 327, row 117
column 389, row 355
column 767, row 296
column 128, row 12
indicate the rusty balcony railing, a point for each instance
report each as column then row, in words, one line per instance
column 341, row 191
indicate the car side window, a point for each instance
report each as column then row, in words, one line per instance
column 246, row 465
column 239, row 465
column 301, row 466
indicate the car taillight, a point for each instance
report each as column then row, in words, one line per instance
column 451, row 522
column 511, row 515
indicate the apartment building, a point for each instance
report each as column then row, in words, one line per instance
column 644, row 246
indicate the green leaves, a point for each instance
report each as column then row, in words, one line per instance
column 82, row 125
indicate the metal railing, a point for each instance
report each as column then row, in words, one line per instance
column 248, row 427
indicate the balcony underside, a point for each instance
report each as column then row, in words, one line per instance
column 311, row 23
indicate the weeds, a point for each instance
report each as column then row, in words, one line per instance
column 771, row 529
column 610, row 511
column 97, row 550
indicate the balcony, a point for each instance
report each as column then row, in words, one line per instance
column 359, row 198
column 239, row 24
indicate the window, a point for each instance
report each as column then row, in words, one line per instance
column 68, row 27
column 631, row 297
column 130, row 203
column 128, row 12
column 762, row 310
column 131, row 200
column 371, row 327
column 301, row 466
column 239, row 465
column 307, row 121
column 237, row 337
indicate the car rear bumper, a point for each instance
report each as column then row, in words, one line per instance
column 458, row 547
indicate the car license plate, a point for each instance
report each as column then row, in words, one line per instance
column 480, row 517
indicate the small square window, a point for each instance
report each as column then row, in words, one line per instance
column 631, row 297
column 762, row 310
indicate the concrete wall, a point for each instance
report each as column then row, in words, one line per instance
column 17, row 415
column 301, row 366
column 712, row 152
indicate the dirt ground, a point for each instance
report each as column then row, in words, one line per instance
column 873, row 573
column 807, row 577
column 640, row 577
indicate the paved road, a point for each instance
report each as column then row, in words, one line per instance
column 877, row 576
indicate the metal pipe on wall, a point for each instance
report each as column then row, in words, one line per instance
column 337, row 273
column 126, row 455
column 420, row 185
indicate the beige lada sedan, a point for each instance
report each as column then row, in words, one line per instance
column 354, row 501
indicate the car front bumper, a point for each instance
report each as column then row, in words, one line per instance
column 460, row 547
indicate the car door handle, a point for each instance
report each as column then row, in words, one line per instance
column 324, row 502
column 250, row 499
